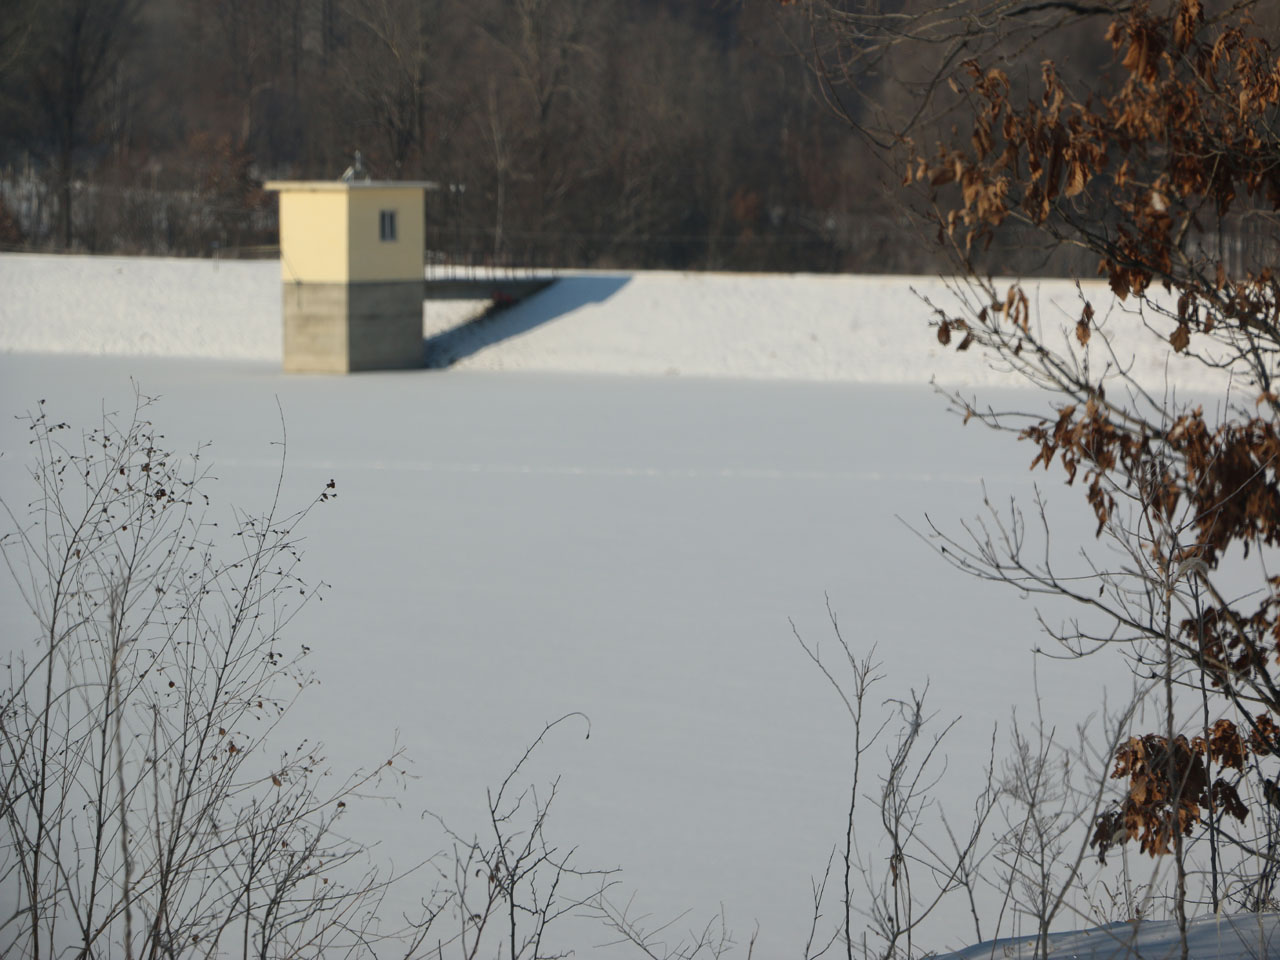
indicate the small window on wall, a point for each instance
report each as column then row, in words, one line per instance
column 387, row 225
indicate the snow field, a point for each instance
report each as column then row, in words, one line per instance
column 540, row 530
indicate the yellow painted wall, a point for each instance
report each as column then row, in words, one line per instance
column 330, row 232
column 313, row 236
column 373, row 259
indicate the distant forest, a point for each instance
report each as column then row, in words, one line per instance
column 688, row 134
column 636, row 133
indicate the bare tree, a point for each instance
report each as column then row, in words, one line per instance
column 1050, row 795
column 667, row 940
column 145, row 813
column 506, row 889
column 74, row 48
column 15, row 28
column 889, row 68
column 896, row 877
column 1140, row 172
column 388, row 70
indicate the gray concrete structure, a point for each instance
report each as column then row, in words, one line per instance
column 348, row 327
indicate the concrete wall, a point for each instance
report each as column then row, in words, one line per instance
column 315, row 328
column 340, row 328
column 384, row 331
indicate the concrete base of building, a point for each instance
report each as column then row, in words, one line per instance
column 344, row 328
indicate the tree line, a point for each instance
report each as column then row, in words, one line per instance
column 712, row 134
column 561, row 132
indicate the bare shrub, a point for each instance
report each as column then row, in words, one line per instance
column 145, row 813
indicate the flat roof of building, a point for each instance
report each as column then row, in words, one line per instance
column 315, row 186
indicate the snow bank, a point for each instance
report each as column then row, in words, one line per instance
column 148, row 307
column 852, row 329
column 135, row 306
column 1208, row 938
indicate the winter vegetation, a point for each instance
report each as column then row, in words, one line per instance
column 674, row 134
column 1142, row 172
column 577, row 687
column 566, row 133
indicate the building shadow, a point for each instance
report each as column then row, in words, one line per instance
column 505, row 320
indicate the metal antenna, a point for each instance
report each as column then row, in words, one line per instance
column 356, row 171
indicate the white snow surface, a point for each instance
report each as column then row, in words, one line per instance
column 1208, row 938
column 135, row 306
column 539, row 530
column 855, row 329
column 149, row 307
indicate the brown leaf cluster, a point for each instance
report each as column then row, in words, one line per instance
column 1230, row 475
column 1264, row 739
column 1169, row 788
column 1233, row 647
column 1189, row 128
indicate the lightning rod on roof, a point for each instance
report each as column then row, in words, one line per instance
column 356, row 171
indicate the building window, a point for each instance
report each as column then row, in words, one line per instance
column 387, row 225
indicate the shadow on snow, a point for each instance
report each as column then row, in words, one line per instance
column 503, row 321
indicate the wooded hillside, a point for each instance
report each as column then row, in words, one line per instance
column 606, row 133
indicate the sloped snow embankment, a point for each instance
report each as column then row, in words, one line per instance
column 136, row 306
column 854, row 329
column 1243, row 937
column 148, row 307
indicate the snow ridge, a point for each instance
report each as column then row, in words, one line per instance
column 851, row 329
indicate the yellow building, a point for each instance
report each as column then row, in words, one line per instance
column 352, row 273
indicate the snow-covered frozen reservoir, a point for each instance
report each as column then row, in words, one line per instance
column 518, row 538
